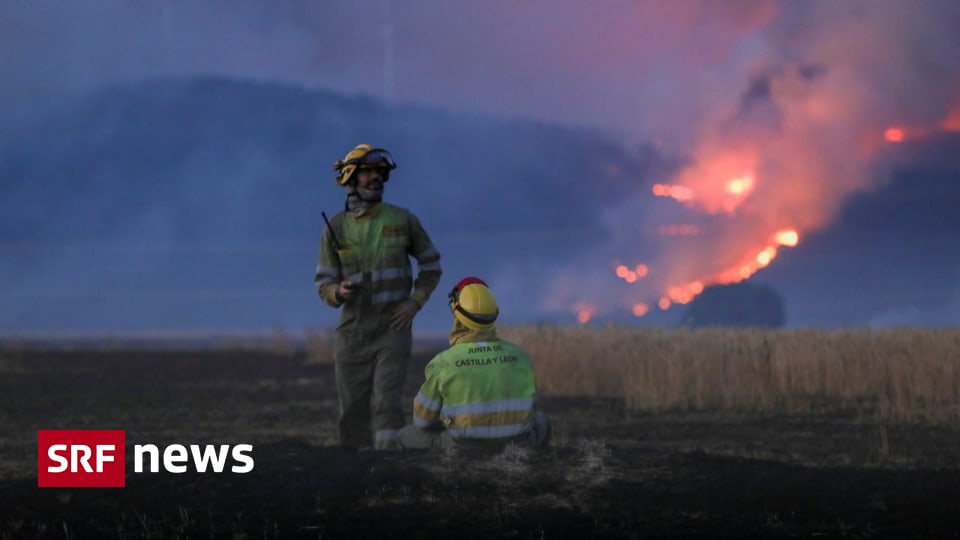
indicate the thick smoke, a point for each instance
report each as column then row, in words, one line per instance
column 803, row 116
column 798, row 94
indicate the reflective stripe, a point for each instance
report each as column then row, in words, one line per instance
column 431, row 267
column 488, row 432
column 426, row 402
column 390, row 296
column 381, row 275
column 428, row 254
column 422, row 423
column 392, row 273
column 385, row 435
column 425, row 411
column 483, row 407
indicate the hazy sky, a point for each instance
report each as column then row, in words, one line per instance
column 661, row 69
column 780, row 109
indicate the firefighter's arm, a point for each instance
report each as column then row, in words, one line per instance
column 328, row 277
column 428, row 262
column 429, row 401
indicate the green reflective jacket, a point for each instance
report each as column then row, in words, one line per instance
column 375, row 251
column 478, row 390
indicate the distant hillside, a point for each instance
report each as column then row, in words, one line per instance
column 185, row 203
column 893, row 255
column 194, row 204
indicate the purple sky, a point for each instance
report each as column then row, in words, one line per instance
column 658, row 69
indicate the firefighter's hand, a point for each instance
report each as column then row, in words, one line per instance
column 346, row 290
column 403, row 315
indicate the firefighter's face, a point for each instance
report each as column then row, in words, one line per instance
column 370, row 179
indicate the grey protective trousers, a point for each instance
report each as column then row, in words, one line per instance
column 440, row 439
column 371, row 370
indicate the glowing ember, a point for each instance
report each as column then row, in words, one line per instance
column 664, row 304
column 676, row 294
column 639, row 310
column 787, row 238
column 893, row 135
column 632, row 275
column 680, row 193
column 740, row 185
column 767, row 255
column 952, row 121
column 584, row 311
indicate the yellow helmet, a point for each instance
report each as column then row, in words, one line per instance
column 475, row 306
column 363, row 156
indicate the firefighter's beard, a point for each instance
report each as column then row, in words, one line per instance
column 359, row 200
column 372, row 194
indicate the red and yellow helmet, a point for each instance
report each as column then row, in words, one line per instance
column 474, row 304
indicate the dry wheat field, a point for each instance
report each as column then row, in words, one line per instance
column 657, row 433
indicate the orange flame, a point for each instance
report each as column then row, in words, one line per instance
column 680, row 193
column 740, row 185
column 722, row 177
column 584, row 312
column 893, row 135
column 720, row 180
column 951, row 122
column 787, row 237
column 897, row 134
column 631, row 275
column 765, row 256
column 683, row 294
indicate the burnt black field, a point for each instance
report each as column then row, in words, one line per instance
column 611, row 472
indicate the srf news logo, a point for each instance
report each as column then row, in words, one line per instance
column 97, row 458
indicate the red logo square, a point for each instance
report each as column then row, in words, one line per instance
column 81, row 458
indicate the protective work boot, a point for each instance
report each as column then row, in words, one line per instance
column 541, row 432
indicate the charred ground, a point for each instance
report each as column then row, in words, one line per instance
column 610, row 474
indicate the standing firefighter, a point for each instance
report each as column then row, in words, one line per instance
column 482, row 390
column 365, row 267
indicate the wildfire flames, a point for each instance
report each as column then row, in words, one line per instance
column 900, row 133
column 722, row 182
column 705, row 188
column 768, row 154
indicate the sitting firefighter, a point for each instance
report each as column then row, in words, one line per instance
column 481, row 390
